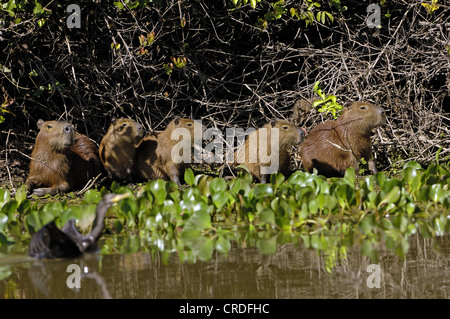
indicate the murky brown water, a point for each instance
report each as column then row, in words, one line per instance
column 293, row 272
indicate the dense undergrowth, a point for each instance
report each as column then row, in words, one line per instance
column 209, row 214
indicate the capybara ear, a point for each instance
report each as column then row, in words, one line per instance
column 40, row 123
column 273, row 123
column 349, row 105
column 176, row 120
column 114, row 120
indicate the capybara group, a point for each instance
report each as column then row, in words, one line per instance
column 333, row 146
column 256, row 152
column 62, row 159
column 118, row 148
column 160, row 155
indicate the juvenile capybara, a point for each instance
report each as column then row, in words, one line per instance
column 333, row 146
column 62, row 159
column 258, row 149
column 161, row 155
column 118, row 148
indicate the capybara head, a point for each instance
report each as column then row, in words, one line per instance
column 185, row 123
column 126, row 130
column 289, row 133
column 58, row 135
column 363, row 116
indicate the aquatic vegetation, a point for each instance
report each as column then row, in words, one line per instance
column 210, row 214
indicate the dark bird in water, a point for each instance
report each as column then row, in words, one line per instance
column 50, row 242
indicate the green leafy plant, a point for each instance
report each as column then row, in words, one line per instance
column 329, row 216
column 431, row 7
column 328, row 102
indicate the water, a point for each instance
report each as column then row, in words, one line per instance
column 292, row 272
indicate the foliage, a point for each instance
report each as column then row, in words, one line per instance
column 244, row 65
column 328, row 216
column 306, row 10
column 431, row 7
column 328, row 102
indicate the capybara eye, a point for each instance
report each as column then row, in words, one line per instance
column 124, row 124
column 49, row 126
column 363, row 107
column 189, row 124
column 285, row 127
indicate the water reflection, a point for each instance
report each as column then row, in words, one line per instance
column 292, row 272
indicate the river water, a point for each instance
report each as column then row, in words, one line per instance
column 292, row 272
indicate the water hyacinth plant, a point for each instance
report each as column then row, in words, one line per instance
column 210, row 213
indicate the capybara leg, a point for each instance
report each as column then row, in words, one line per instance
column 175, row 176
column 62, row 188
column 373, row 166
column 263, row 178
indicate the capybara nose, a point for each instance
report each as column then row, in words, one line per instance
column 67, row 128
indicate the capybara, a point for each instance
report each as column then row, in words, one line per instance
column 160, row 155
column 118, row 148
column 258, row 148
column 62, row 159
column 333, row 146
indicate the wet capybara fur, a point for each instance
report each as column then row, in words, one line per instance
column 62, row 159
column 155, row 155
column 257, row 151
column 333, row 146
column 118, row 148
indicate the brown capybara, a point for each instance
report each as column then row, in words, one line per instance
column 118, row 148
column 158, row 155
column 333, row 146
column 258, row 149
column 62, row 160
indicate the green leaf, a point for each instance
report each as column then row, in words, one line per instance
column 436, row 192
column 133, row 5
column 189, row 176
column 350, row 176
column 92, row 196
column 412, row 164
column 38, row 8
column 10, row 207
column 119, row 5
column 277, row 179
column 200, row 220
column 87, row 217
column 203, row 248
column 262, row 190
column 368, row 249
column 219, row 199
column 218, row 185
column 10, row 6
column 158, row 190
column 4, row 197
column 223, row 245
column 392, row 197
column 21, row 194
column 267, row 246
column 3, row 222
column 33, row 221
column 267, row 215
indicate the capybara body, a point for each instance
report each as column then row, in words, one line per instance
column 158, row 157
column 258, row 148
column 62, row 160
column 333, row 146
column 118, row 148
